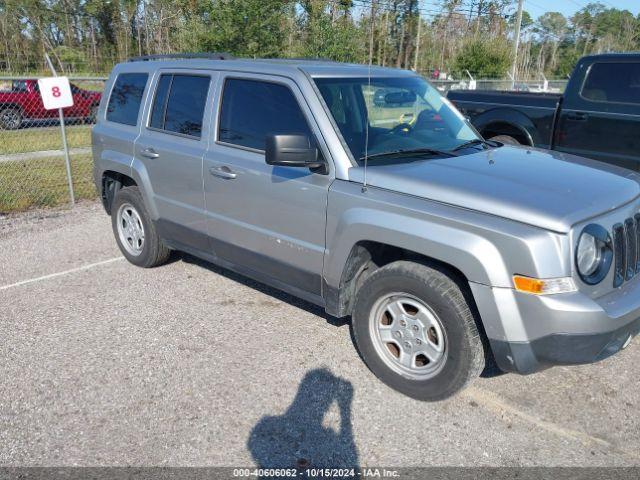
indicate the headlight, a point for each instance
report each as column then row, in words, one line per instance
column 594, row 254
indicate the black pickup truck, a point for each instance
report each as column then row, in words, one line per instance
column 598, row 116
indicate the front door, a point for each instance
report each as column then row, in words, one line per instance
column 171, row 146
column 602, row 120
column 268, row 220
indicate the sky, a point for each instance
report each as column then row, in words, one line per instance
column 569, row 7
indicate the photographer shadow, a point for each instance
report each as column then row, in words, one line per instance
column 298, row 438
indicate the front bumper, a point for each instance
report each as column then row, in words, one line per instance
column 528, row 333
column 561, row 349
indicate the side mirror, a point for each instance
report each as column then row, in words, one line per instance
column 292, row 151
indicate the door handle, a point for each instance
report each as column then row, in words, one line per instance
column 149, row 153
column 577, row 116
column 223, row 172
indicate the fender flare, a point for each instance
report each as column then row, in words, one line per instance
column 476, row 257
column 141, row 176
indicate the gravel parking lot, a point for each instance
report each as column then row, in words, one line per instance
column 103, row 363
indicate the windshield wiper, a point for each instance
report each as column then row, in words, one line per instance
column 475, row 141
column 410, row 152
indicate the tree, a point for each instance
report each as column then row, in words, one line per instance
column 483, row 58
column 551, row 27
column 251, row 28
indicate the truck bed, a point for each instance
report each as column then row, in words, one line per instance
column 525, row 99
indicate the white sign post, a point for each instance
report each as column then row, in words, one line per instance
column 56, row 93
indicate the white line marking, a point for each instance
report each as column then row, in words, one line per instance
column 59, row 274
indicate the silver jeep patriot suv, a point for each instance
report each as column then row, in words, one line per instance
column 363, row 190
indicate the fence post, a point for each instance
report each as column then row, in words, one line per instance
column 65, row 147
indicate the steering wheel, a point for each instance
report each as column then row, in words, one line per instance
column 401, row 129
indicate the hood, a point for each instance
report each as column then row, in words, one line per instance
column 547, row 189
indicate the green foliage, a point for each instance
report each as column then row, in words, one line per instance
column 339, row 40
column 251, row 28
column 89, row 36
column 566, row 63
column 483, row 58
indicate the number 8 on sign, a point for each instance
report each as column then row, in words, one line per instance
column 55, row 92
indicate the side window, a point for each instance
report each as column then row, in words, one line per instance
column 253, row 109
column 160, row 102
column 613, row 82
column 19, row 86
column 179, row 104
column 126, row 97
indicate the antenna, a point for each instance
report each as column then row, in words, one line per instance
column 366, row 132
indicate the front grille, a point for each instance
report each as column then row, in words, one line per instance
column 632, row 244
column 637, row 218
column 626, row 249
column 619, row 254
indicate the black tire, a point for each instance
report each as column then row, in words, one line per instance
column 464, row 353
column 506, row 139
column 154, row 252
column 10, row 118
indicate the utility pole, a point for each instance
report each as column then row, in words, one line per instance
column 415, row 61
column 373, row 16
column 516, row 43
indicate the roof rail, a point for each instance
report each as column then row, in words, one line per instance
column 178, row 56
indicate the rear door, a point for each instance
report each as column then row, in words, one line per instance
column 268, row 220
column 601, row 119
column 170, row 151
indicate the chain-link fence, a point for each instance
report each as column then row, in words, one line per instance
column 535, row 86
column 32, row 161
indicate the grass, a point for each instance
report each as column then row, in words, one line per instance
column 43, row 182
column 46, row 138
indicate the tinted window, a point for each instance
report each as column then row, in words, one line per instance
column 179, row 104
column 126, row 97
column 251, row 110
column 160, row 101
column 613, row 82
column 185, row 106
column 19, row 86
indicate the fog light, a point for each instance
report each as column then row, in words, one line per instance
column 546, row 286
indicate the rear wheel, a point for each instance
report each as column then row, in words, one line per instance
column 135, row 232
column 506, row 139
column 416, row 332
column 10, row 118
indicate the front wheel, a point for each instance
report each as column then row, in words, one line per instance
column 135, row 232
column 416, row 331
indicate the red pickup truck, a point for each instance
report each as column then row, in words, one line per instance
column 21, row 104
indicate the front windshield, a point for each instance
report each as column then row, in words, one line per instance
column 402, row 113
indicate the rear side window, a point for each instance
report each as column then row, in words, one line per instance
column 613, row 82
column 179, row 103
column 252, row 109
column 126, row 97
column 19, row 86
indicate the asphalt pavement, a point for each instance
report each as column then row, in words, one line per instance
column 104, row 363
